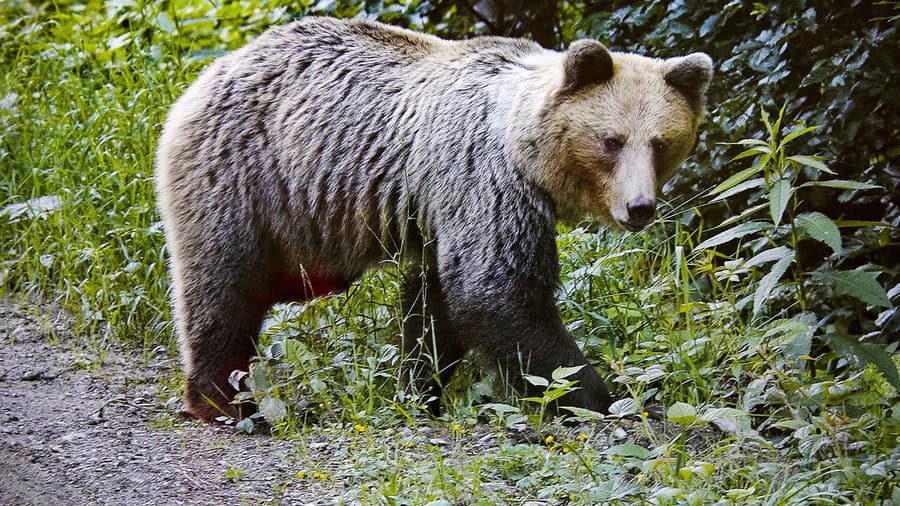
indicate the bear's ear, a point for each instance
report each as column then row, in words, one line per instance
column 587, row 62
column 690, row 75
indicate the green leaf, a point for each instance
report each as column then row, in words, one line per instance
column 561, row 373
column 746, row 185
column 164, row 22
column 732, row 234
column 754, row 151
column 859, row 284
column 773, row 133
column 860, row 223
column 730, row 420
column 793, row 134
column 536, row 380
column 769, row 255
column 820, row 228
column 272, row 409
column 801, row 346
column 779, row 196
column 697, row 468
column 749, row 142
column 789, row 424
column 556, row 393
column 498, row 408
column 811, row 161
column 682, row 413
column 38, row 207
column 842, row 184
column 750, row 211
column 628, row 450
column 866, row 353
column 765, row 118
column 623, row 407
column 583, row 414
column 737, row 178
column 770, row 280
column 245, row 425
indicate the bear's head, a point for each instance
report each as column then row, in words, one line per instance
column 614, row 127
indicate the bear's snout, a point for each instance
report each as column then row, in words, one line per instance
column 640, row 213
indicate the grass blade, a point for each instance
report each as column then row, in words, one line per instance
column 738, row 178
column 842, row 184
column 732, row 234
column 746, row 185
column 769, row 281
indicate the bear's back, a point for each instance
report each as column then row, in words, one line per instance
column 371, row 43
column 328, row 36
column 327, row 132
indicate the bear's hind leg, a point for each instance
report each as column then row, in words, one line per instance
column 431, row 349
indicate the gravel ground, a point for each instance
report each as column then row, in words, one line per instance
column 75, row 429
column 83, row 421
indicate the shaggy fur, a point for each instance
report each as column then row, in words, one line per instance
column 296, row 163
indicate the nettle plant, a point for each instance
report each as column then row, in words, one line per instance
column 770, row 230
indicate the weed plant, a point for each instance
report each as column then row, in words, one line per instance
column 775, row 377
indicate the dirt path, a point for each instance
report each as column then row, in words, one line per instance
column 75, row 429
column 84, row 423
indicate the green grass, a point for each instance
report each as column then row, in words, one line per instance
column 759, row 410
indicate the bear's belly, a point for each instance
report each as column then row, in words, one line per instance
column 293, row 287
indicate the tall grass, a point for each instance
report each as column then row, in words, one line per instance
column 83, row 93
column 81, row 120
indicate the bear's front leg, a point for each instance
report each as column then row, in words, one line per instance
column 221, row 291
column 499, row 285
column 508, row 313
column 532, row 341
column 218, row 334
column 431, row 349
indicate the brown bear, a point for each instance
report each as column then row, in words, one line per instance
column 296, row 163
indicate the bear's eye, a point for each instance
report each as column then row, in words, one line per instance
column 612, row 144
column 658, row 145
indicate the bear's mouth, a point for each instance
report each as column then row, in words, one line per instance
column 632, row 227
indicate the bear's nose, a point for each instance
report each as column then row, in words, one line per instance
column 640, row 211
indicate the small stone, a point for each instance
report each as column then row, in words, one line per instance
column 72, row 436
column 34, row 375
